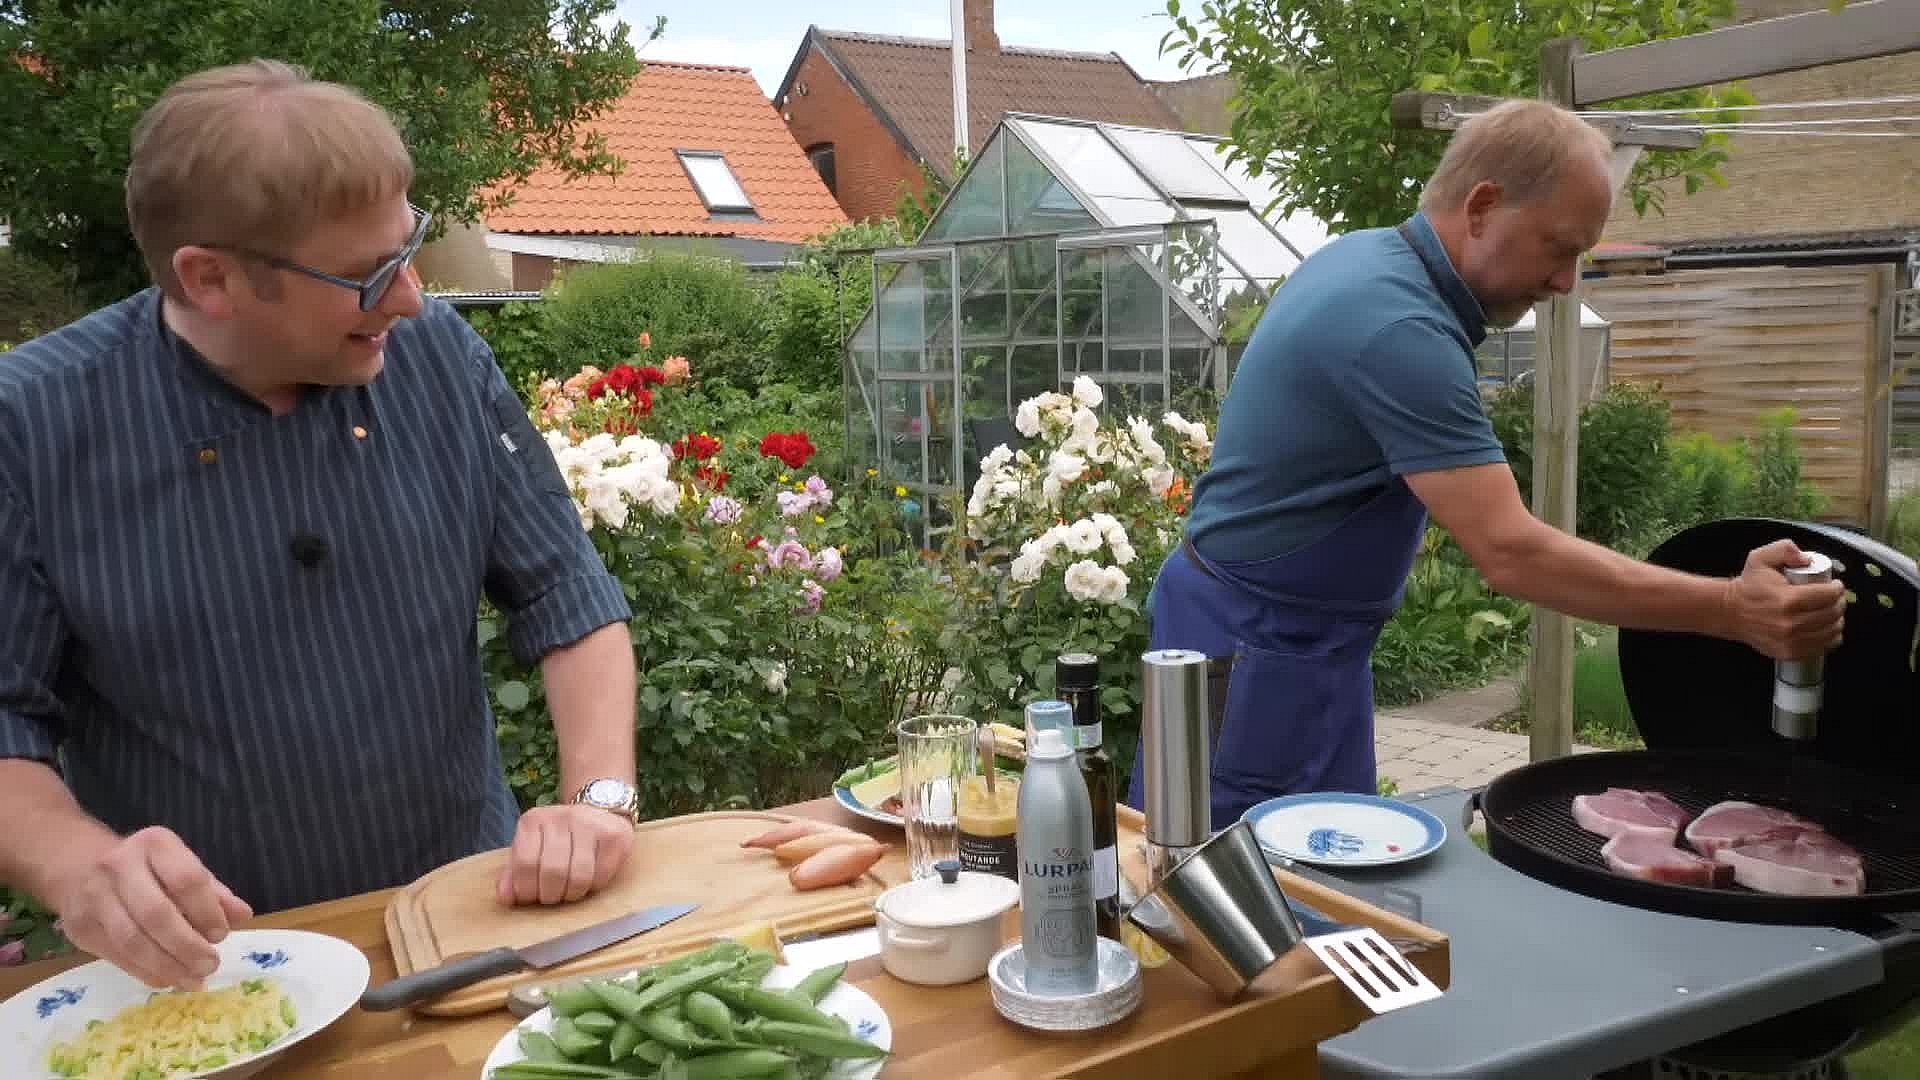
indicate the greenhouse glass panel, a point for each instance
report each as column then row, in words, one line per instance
column 975, row 208
column 863, row 394
column 1177, row 164
column 903, row 418
column 1248, row 241
column 1129, row 212
column 1030, row 270
column 1087, row 159
column 1134, row 299
column 1037, row 202
column 1035, row 369
column 1082, row 281
column 984, row 381
column 942, row 428
column 985, row 314
column 914, row 334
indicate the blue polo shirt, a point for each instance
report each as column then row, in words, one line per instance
column 260, row 631
column 1360, row 370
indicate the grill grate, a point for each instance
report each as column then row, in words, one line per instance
column 1530, row 826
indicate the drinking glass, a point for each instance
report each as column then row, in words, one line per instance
column 936, row 756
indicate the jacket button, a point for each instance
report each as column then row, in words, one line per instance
column 207, row 456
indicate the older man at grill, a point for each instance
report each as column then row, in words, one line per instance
column 1355, row 415
column 246, row 520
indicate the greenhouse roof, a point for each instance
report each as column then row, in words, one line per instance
column 1059, row 175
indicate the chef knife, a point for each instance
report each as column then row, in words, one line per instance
column 448, row 977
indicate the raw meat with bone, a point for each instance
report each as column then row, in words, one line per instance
column 1652, row 858
column 1795, row 861
column 1624, row 811
column 1725, row 824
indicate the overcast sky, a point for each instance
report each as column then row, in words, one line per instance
column 764, row 34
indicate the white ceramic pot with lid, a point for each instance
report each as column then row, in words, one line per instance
column 943, row 930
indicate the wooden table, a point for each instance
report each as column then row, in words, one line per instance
column 1181, row 1029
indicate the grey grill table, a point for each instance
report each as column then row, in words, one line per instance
column 1548, row 984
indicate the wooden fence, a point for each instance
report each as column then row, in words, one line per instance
column 1727, row 346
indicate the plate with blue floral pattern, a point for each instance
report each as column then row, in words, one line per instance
column 273, row 989
column 1341, row 829
column 865, row 1020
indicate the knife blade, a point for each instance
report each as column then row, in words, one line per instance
column 435, row 981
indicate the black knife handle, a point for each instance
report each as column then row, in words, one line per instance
column 435, row 981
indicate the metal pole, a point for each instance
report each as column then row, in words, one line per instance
column 959, row 35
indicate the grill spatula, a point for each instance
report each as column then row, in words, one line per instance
column 1373, row 969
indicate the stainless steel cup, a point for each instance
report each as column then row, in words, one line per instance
column 1220, row 912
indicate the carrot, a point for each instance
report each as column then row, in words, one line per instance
column 836, row 865
column 792, row 830
column 800, row 848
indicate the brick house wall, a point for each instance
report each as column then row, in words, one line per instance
column 869, row 164
column 1785, row 186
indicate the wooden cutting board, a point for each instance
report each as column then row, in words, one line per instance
column 694, row 859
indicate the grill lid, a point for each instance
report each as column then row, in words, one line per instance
column 1688, row 691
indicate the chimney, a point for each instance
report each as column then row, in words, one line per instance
column 979, row 27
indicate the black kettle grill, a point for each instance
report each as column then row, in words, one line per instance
column 1703, row 706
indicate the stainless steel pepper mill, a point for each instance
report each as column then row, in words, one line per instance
column 1176, row 747
column 1798, row 685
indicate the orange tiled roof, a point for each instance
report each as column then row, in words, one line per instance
column 676, row 106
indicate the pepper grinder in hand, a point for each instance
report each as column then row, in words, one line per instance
column 1798, row 685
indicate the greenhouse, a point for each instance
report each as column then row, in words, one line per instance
column 1135, row 257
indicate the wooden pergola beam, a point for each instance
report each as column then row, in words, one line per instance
column 1419, row 109
column 1862, row 30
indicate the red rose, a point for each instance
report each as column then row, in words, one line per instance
column 622, row 378
column 712, row 477
column 642, row 403
column 793, row 450
column 597, row 389
column 697, row 447
column 652, row 376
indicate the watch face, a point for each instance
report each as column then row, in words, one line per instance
column 606, row 793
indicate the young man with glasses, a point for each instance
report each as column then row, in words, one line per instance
column 247, row 517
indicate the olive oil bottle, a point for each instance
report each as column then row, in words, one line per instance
column 1076, row 678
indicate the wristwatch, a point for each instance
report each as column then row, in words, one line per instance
column 607, row 793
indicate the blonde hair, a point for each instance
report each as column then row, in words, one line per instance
column 255, row 155
column 1523, row 146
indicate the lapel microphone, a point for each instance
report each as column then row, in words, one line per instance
column 308, row 550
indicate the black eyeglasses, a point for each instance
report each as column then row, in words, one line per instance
column 376, row 284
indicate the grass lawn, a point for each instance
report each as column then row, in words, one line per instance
column 1601, row 718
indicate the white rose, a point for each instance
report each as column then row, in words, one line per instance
column 777, row 678
column 996, row 460
column 1027, row 565
column 1026, row 419
column 1085, row 427
column 1086, row 392
column 1113, row 585
column 1066, row 467
column 1123, row 553
column 1085, row 581
column 1159, row 480
column 1083, row 537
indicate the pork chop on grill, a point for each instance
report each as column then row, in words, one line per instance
column 1653, row 858
column 1725, row 824
column 1795, row 861
column 1624, row 811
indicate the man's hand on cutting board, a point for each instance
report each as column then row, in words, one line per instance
column 1783, row 620
column 563, row 853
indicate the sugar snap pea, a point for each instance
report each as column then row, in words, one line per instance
column 626, row 1036
column 539, row 1047
column 572, row 1041
column 821, row 980
column 693, row 979
column 675, row 1033
column 624, row 1002
column 595, row 1022
column 754, row 968
column 709, row 1012
column 728, row 1064
column 651, row 1051
column 573, row 1000
column 771, row 1004
column 554, row 1070
column 812, row 1039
